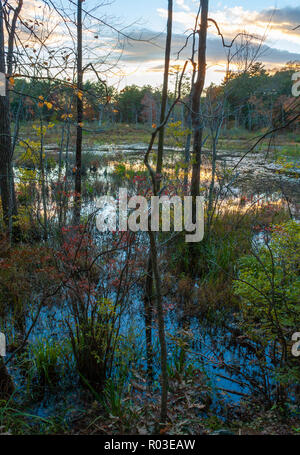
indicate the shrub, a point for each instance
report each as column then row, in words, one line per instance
column 269, row 286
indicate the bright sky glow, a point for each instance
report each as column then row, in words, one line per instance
column 142, row 63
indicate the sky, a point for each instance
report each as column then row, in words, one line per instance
column 142, row 62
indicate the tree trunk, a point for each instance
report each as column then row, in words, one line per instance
column 79, row 115
column 196, row 96
column 5, row 137
column 8, row 196
column 152, row 261
column 148, row 306
column 212, row 185
column 164, row 97
column 44, row 198
column 161, row 330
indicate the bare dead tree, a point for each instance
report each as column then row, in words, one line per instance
column 196, row 98
column 164, row 96
column 79, row 114
column 155, row 266
column 159, row 163
column 6, row 151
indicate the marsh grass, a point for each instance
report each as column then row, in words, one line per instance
column 217, row 256
column 47, row 357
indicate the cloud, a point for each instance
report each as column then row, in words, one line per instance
column 147, row 58
column 182, row 5
column 276, row 24
column 141, row 51
column 284, row 16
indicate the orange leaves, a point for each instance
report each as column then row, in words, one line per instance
column 42, row 103
column 65, row 116
column 11, row 79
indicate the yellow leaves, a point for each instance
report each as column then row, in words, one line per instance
column 30, row 145
column 80, row 124
column 41, row 130
column 42, row 103
column 65, row 116
column 23, row 217
column 177, row 132
column 77, row 92
column 12, row 81
column 28, row 175
column 175, row 124
column 287, row 166
column 29, row 156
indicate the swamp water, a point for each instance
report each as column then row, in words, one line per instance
column 210, row 346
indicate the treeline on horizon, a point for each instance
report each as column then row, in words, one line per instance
column 251, row 99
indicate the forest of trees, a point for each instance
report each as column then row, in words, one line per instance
column 253, row 99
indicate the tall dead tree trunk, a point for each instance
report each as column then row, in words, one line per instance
column 150, row 268
column 155, row 267
column 11, row 37
column 8, row 198
column 148, row 314
column 196, row 98
column 164, row 96
column 161, row 330
column 5, row 134
column 187, row 149
column 79, row 115
column 10, row 54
